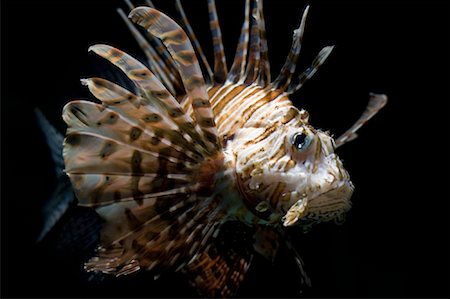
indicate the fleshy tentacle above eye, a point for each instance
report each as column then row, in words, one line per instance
column 182, row 52
column 288, row 69
column 309, row 72
column 284, row 80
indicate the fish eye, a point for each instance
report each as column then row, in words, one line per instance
column 301, row 141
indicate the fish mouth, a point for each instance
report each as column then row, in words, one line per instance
column 321, row 207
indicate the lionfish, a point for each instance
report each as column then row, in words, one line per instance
column 197, row 170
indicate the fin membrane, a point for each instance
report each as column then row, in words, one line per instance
column 220, row 268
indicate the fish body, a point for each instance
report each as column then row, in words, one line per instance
column 195, row 171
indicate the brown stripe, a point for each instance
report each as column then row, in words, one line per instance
column 236, row 104
column 276, row 194
column 267, row 132
column 231, row 95
column 280, row 153
column 219, row 92
column 247, row 114
column 212, row 92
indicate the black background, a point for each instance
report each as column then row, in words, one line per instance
column 395, row 240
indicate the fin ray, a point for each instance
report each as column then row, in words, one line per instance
column 288, row 69
column 156, row 64
column 220, row 63
column 238, row 67
column 375, row 104
column 181, row 50
column 309, row 72
column 264, row 76
column 198, row 49
column 253, row 65
column 157, row 112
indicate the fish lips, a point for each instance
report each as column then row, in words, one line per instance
column 324, row 206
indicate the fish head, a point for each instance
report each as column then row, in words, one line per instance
column 286, row 167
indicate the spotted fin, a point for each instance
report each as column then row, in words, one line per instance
column 159, row 59
column 170, row 79
column 145, row 165
column 218, row 270
column 179, row 46
column 198, row 49
column 147, row 190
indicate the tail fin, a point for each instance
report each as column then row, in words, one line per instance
column 62, row 196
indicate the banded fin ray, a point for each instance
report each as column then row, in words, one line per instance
column 100, row 189
column 84, row 150
column 252, row 69
column 158, row 51
column 87, row 117
column 157, row 65
column 264, row 76
column 177, row 42
column 208, row 76
column 220, row 63
column 288, row 69
column 309, row 72
column 375, row 104
column 150, row 161
column 238, row 67
column 160, row 111
column 145, row 200
column 155, row 233
column 143, row 163
column 151, row 87
column 142, row 232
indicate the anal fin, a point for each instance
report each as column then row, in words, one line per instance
column 266, row 242
column 219, row 269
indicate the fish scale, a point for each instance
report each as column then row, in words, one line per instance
column 198, row 171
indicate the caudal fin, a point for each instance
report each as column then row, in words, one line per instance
column 61, row 198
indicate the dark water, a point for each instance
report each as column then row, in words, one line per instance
column 395, row 240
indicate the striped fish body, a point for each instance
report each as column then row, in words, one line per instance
column 196, row 171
